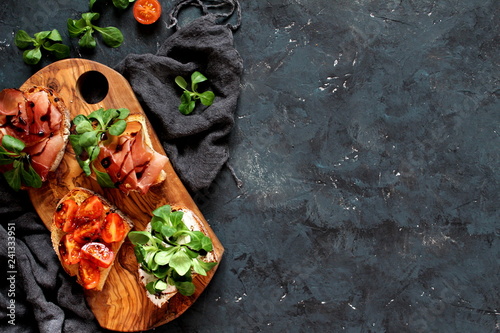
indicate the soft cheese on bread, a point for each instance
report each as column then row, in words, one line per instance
column 148, row 278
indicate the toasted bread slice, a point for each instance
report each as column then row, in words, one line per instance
column 79, row 195
column 58, row 102
column 192, row 221
column 131, row 180
column 147, row 139
column 40, row 119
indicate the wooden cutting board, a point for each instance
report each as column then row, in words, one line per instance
column 122, row 305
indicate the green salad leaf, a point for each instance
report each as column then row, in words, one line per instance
column 89, row 131
column 21, row 173
column 84, row 28
column 50, row 41
column 121, row 4
column 189, row 97
column 171, row 252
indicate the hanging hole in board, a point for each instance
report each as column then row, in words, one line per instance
column 92, row 86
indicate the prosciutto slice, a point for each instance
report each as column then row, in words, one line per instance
column 36, row 118
column 44, row 153
column 9, row 101
column 130, row 162
column 116, row 159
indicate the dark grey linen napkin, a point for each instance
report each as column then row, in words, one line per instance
column 196, row 143
column 36, row 294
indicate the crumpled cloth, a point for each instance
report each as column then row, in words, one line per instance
column 196, row 143
column 36, row 293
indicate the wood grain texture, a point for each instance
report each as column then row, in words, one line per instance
column 122, row 305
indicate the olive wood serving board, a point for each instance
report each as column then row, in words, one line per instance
column 122, row 305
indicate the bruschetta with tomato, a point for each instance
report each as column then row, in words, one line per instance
column 87, row 233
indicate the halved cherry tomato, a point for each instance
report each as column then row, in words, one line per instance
column 88, row 232
column 69, row 250
column 64, row 215
column 89, row 274
column 113, row 229
column 90, row 209
column 147, row 11
column 98, row 253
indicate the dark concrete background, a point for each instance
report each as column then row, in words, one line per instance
column 367, row 147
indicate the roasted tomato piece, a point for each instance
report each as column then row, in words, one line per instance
column 113, row 229
column 69, row 250
column 147, row 11
column 98, row 253
column 90, row 209
column 89, row 274
column 64, row 215
column 88, row 232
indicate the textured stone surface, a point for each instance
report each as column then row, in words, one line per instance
column 366, row 148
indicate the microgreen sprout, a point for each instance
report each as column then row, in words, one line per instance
column 189, row 98
column 84, row 28
column 121, row 4
column 50, row 41
column 89, row 131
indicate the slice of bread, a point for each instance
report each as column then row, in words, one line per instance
column 147, row 139
column 194, row 224
column 38, row 117
column 132, row 130
column 64, row 130
column 79, row 195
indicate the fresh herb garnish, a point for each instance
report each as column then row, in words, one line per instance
column 89, row 131
column 84, row 29
column 189, row 98
column 121, row 4
column 22, row 173
column 171, row 252
column 51, row 41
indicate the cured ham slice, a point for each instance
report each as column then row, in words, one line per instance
column 44, row 153
column 9, row 101
column 151, row 172
column 38, row 118
column 130, row 161
column 39, row 106
column 12, row 111
column 117, row 161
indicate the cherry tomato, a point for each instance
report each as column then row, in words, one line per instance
column 147, row 11
column 98, row 253
column 90, row 209
column 69, row 250
column 64, row 215
column 88, row 232
column 89, row 274
column 113, row 229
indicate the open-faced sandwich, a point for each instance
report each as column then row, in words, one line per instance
column 173, row 248
column 34, row 130
column 115, row 148
column 87, row 233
